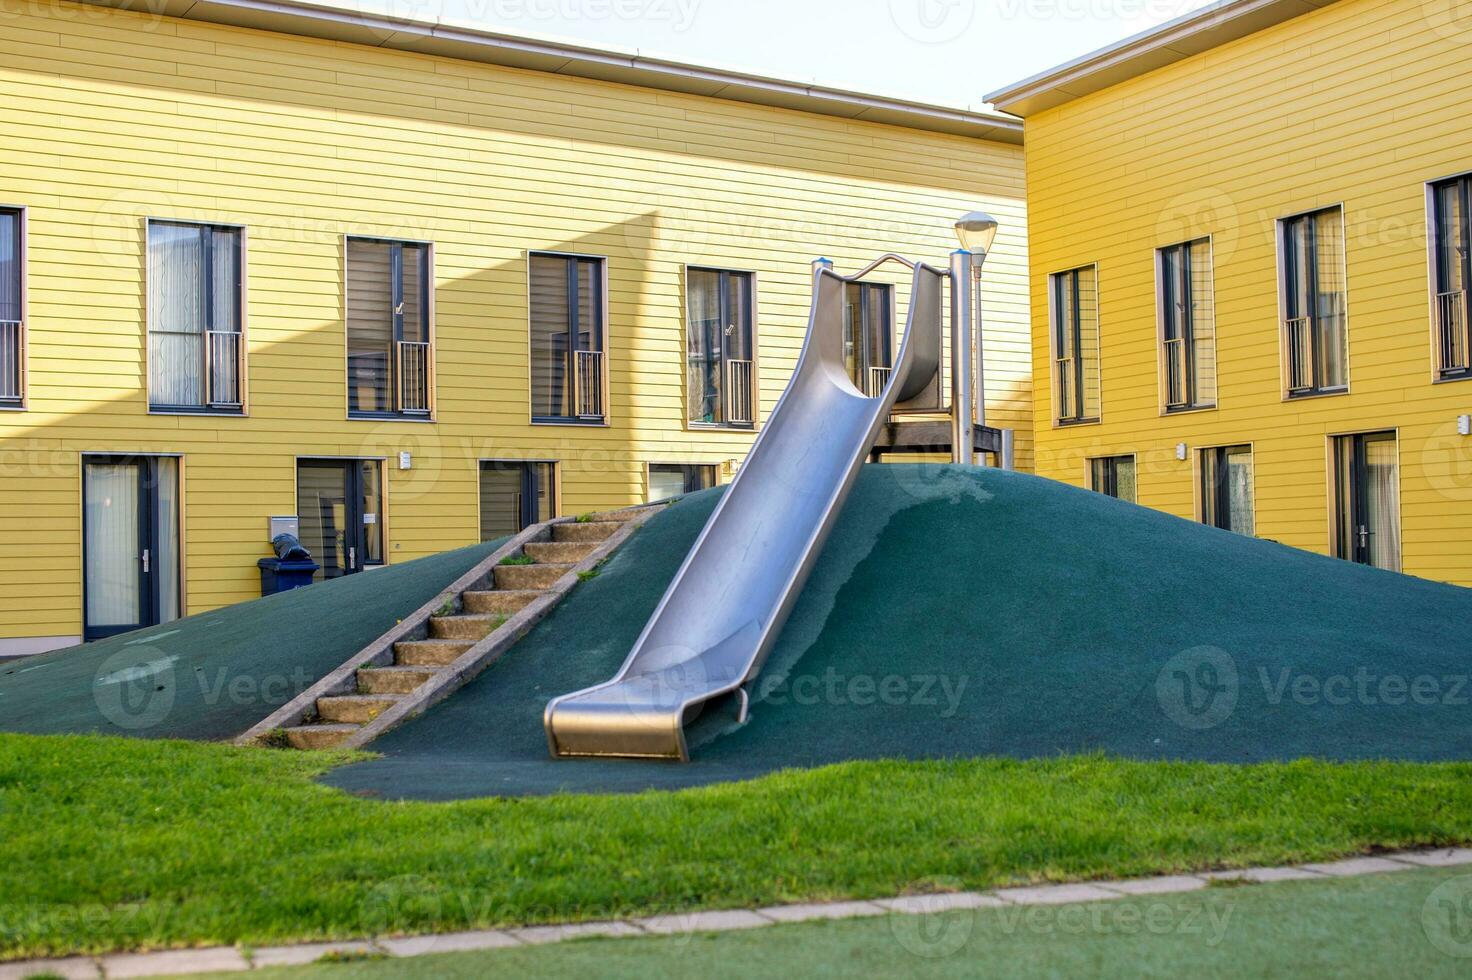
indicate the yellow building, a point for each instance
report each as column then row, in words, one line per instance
column 413, row 284
column 1249, row 239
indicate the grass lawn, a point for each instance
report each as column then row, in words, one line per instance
column 110, row 843
column 1376, row 926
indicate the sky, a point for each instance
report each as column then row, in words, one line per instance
column 950, row 52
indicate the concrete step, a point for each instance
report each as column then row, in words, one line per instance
column 588, row 531
column 502, row 602
column 553, row 552
column 471, row 627
column 354, row 709
column 393, row 680
column 429, row 653
column 319, row 736
column 523, row 577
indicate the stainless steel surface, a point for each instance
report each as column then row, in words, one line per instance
column 10, row 361
column 738, row 392
column 712, row 630
column 587, row 375
column 1456, row 351
column 413, row 356
column 961, row 353
column 222, row 378
column 1007, row 456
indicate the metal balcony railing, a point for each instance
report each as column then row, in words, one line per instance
column 874, row 381
column 1451, row 324
column 587, row 384
column 739, row 393
column 1176, row 393
column 222, row 368
column 1298, row 335
column 413, row 374
column 1067, row 397
column 11, row 381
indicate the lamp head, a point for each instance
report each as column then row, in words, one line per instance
column 976, row 231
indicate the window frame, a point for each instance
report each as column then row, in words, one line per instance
column 23, row 345
column 1335, row 492
column 428, row 312
column 606, row 419
column 554, row 491
column 715, row 475
column 385, row 505
column 1054, row 335
column 1201, row 489
column 1283, row 259
column 1439, row 373
column 1162, row 301
column 242, row 367
column 1089, row 462
column 751, row 327
column 866, row 288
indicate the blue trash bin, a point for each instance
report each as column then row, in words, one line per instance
column 282, row 575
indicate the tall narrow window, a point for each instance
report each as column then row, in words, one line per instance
column 1315, row 338
column 1075, row 310
column 196, row 354
column 1367, row 499
column 1187, row 326
column 390, row 360
column 515, row 494
column 1451, row 270
column 12, row 313
column 718, row 348
column 1226, row 488
column 868, row 334
column 672, row 479
column 569, row 368
column 1113, row 476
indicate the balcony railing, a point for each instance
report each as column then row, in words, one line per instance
column 1067, row 397
column 1451, row 324
column 222, row 361
column 1298, row 334
column 413, row 373
column 1176, row 395
column 738, row 393
column 874, row 380
column 11, row 382
column 587, row 384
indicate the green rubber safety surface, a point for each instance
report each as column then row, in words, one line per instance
column 214, row 675
column 973, row 612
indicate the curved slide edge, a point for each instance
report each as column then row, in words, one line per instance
column 712, row 630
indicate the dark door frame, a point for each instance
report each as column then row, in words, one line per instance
column 150, row 612
column 355, row 535
column 527, row 511
column 1351, row 501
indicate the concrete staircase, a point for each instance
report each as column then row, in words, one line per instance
column 449, row 640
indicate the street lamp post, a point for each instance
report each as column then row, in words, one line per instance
column 975, row 231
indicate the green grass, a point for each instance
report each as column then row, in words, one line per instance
column 112, row 843
column 518, row 560
column 1377, row 926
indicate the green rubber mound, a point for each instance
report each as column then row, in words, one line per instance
column 958, row 613
column 214, row 675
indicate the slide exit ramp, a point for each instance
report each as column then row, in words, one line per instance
column 725, row 607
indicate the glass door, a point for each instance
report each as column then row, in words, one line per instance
column 868, row 334
column 513, row 495
column 130, row 546
column 1367, row 499
column 339, row 508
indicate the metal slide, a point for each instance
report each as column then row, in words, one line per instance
column 718, row 619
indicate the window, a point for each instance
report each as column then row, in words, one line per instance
column 718, row 346
column 569, row 370
column 1315, row 339
column 12, row 309
column 339, row 509
column 1367, row 500
column 868, row 334
column 1075, row 308
column 1113, row 476
column 390, row 357
column 668, row 480
column 515, row 495
column 130, row 543
column 1451, row 270
column 1187, row 326
column 1226, row 488
column 196, row 354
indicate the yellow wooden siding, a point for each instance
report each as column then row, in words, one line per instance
column 111, row 117
column 1360, row 103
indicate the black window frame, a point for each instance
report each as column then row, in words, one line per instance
column 599, row 318
column 206, row 268
column 1439, row 276
column 864, row 357
column 1104, row 475
column 1291, row 276
column 18, row 402
column 396, row 248
column 1216, row 497
column 530, row 489
column 1180, row 320
column 724, row 279
column 1077, row 413
column 693, row 475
